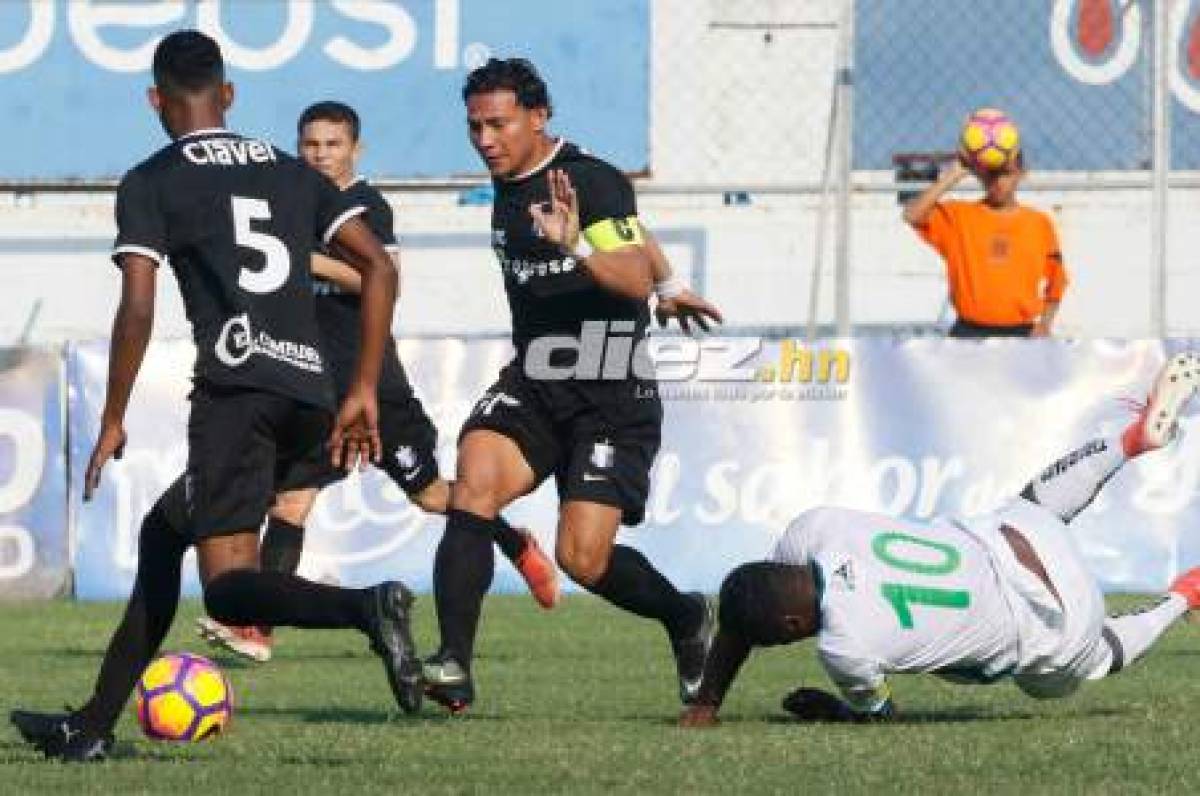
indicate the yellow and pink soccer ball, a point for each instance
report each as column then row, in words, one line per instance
column 183, row 697
column 990, row 140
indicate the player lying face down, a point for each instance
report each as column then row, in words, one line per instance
column 973, row 600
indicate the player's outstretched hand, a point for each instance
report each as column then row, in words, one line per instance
column 699, row 716
column 558, row 220
column 687, row 308
column 109, row 445
column 355, row 437
column 813, row 704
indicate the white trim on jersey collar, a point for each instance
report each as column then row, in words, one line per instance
column 553, row 154
column 342, row 219
column 357, row 179
column 205, row 131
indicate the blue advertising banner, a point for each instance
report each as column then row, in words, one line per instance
column 73, row 75
column 1074, row 74
column 756, row 432
column 35, row 557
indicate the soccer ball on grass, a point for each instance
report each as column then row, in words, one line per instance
column 183, row 697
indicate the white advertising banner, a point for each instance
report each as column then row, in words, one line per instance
column 35, row 557
column 755, row 432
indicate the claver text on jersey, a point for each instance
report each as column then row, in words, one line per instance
column 228, row 152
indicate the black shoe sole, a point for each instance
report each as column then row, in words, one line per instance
column 407, row 684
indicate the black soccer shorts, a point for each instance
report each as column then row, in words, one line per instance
column 598, row 439
column 240, row 443
column 409, row 458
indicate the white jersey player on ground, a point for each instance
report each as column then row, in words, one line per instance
column 972, row 600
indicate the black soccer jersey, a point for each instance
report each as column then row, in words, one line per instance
column 236, row 219
column 548, row 294
column 339, row 313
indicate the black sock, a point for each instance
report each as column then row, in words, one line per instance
column 148, row 615
column 282, row 544
column 462, row 573
column 244, row 597
column 632, row 583
column 510, row 542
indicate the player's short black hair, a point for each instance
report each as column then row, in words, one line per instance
column 187, row 61
column 757, row 598
column 517, row 75
column 330, row 111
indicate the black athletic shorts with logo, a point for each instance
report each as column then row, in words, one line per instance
column 241, row 445
column 409, row 457
column 598, row 439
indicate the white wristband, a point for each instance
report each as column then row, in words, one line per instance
column 582, row 249
column 669, row 288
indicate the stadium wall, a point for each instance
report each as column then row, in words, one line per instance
column 739, row 105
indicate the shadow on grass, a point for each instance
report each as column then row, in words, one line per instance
column 966, row 715
column 367, row 716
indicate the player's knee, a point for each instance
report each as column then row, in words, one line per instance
column 434, row 499
column 476, row 491
column 584, row 565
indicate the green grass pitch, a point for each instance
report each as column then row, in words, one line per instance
column 582, row 700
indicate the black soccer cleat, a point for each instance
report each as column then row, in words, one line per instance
column 391, row 639
column 690, row 651
column 448, row 683
column 61, row 736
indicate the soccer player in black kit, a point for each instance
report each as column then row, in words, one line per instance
column 572, row 250
column 329, row 140
column 235, row 218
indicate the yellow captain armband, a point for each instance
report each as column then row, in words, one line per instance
column 611, row 234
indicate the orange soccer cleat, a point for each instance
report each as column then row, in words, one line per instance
column 1187, row 586
column 538, row 570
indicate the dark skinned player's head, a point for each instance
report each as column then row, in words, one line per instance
column 189, row 82
column 768, row 603
column 508, row 106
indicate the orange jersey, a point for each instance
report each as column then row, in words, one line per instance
column 1002, row 265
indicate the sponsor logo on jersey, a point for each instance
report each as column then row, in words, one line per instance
column 524, row 270
column 1073, row 458
column 228, row 152
column 237, row 342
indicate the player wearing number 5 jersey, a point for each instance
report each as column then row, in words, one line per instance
column 235, row 218
column 972, row 600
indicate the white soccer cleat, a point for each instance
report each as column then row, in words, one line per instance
column 1158, row 422
column 248, row 642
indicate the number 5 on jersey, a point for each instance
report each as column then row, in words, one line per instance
column 277, row 261
column 902, row 596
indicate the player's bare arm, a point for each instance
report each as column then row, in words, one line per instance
column 344, row 275
column 675, row 299
column 340, row 273
column 729, row 651
column 625, row 271
column 917, row 211
column 130, row 335
column 355, row 436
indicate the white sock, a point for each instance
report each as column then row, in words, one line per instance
column 1131, row 635
column 1068, row 485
